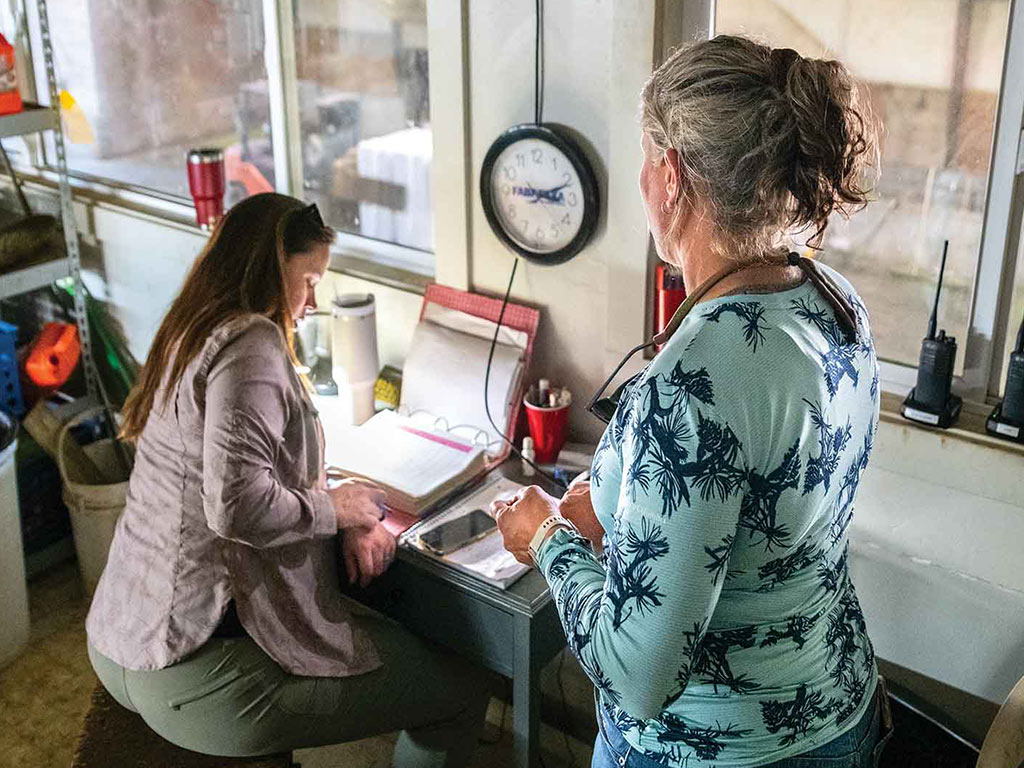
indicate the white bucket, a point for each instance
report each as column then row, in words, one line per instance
column 95, row 507
column 13, row 591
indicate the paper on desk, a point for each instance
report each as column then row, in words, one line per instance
column 444, row 375
column 485, row 558
column 490, row 559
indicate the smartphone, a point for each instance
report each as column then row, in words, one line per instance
column 457, row 533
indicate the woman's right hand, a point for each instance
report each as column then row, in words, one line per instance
column 577, row 508
column 357, row 503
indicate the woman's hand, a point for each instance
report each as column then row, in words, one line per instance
column 577, row 508
column 519, row 518
column 357, row 503
column 367, row 553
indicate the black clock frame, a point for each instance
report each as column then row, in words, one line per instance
column 588, row 188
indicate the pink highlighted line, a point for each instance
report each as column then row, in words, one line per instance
column 439, row 439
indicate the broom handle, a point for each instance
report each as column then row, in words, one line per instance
column 14, row 179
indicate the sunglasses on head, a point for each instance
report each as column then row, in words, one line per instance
column 312, row 213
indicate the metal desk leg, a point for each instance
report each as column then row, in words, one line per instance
column 525, row 698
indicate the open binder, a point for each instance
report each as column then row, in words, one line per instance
column 440, row 441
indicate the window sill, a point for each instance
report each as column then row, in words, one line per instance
column 969, row 428
column 401, row 279
column 354, row 256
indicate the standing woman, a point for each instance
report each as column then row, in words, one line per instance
column 219, row 617
column 720, row 626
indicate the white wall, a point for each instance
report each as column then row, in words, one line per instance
column 935, row 556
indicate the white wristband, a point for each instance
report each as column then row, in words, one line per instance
column 554, row 521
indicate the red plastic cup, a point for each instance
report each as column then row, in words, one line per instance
column 549, row 428
column 207, row 183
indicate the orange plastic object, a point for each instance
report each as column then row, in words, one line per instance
column 10, row 97
column 54, row 355
column 245, row 173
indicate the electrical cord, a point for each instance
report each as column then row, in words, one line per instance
column 538, row 65
column 487, row 380
column 538, row 114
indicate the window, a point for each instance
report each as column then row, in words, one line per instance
column 155, row 79
column 931, row 71
column 365, row 116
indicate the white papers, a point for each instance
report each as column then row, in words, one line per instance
column 481, row 327
column 415, row 464
column 486, row 558
column 444, row 375
column 489, row 558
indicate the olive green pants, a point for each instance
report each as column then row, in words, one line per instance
column 230, row 699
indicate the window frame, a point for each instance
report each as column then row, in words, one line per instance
column 387, row 263
column 988, row 318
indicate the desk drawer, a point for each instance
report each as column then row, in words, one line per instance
column 432, row 608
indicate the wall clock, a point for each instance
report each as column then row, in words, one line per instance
column 539, row 193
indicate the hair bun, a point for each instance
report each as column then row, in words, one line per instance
column 780, row 62
column 769, row 140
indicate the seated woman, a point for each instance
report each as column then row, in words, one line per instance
column 721, row 627
column 219, row 617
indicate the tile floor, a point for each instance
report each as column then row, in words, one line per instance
column 44, row 694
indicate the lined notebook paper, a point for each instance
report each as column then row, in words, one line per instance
column 416, row 465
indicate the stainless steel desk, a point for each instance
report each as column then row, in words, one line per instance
column 513, row 632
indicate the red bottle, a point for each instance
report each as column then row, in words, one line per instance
column 10, row 97
column 670, row 293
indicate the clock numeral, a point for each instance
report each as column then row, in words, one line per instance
column 573, row 201
column 520, row 160
column 554, row 163
column 537, row 156
column 565, row 219
column 539, row 234
column 512, row 213
column 554, row 232
column 524, row 225
column 566, row 178
column 510, row 172
column 506, row 190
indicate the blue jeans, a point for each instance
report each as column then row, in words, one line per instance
column 859, row 747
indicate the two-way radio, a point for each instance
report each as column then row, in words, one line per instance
column 932, row 401
column 1007, row 420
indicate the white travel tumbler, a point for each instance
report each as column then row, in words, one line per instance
column 354, row 362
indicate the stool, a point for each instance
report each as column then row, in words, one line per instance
column 113, row 736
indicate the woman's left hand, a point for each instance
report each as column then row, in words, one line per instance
column 367, row 553
column 519, row 518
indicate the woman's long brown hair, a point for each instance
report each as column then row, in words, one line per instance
column 240, row 271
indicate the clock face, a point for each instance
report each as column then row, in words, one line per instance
column 537, row 196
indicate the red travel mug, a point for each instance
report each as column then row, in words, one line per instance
column 206, row 182
column 548, row 427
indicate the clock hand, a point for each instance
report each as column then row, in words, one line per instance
column 551, row 217
column 547, row 194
